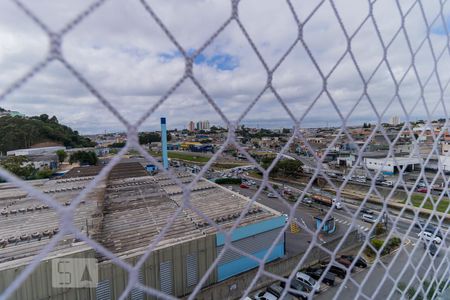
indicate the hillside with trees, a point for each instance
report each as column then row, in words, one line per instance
column 23, row 132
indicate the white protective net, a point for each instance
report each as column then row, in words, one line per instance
column 409, row 272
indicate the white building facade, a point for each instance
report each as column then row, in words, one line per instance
column 390, row 166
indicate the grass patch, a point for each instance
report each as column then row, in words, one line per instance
column 183, row 156
column 417, row 200
column 255, row 174
column 189, row 157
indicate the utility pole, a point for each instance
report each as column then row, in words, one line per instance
column 385, row 220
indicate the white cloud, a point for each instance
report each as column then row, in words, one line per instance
column 118, row 49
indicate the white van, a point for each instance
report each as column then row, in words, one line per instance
column 371, row 218
column 368, row 218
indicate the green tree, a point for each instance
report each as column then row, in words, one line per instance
column 23, row 132
column 118, row 145
column 84, row 158
column 267, row 161
column 62, row 155
column 151, row 137
column 19, row 166
column 379, row 229
column 43, row 173
column 43, row 117
column 289, row 168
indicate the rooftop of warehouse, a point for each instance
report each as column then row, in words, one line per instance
column 137, row 209
column 28, row 224
column 125, row 215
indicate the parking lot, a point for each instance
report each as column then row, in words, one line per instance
column 305, row 280
column 412, row 263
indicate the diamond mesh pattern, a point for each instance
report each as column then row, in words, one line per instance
column 325, row 74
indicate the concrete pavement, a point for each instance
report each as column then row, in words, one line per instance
column 379, row 280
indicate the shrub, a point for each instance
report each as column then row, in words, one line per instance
column 377, row 244
column 228, row 180
column 379, row 229
column 393, row 243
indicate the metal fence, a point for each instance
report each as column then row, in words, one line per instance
column 428, row 275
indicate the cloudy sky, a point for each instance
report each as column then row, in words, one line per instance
column 125, row 55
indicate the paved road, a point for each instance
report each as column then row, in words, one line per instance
column 421, row 265
column 299, row 242
column 412, row 263
column 403, row 225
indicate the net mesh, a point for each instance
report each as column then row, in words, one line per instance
column 424, row 272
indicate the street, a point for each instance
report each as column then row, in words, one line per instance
column 378, row 281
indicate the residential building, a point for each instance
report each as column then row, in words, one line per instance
column 191, row 126
column 394, row 121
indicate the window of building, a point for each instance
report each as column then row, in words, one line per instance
column 137, row 294
column 103, row 290
column 191, row 269
column 166, row 277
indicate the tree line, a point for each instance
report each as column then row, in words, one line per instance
column 23, row 132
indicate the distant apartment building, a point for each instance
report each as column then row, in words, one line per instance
column 403, row 148
column 200, row 125
column 191, row 126
column 445, row 148
column 394, row 120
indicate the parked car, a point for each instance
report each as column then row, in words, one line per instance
column 432, row 248
column 367, row 211
column 422, row 190
column 298, row 287
column 243, row 186
column 340, row 272
column 308, row 281
column 316, row 273
column 360, row 262
column 265, row 295
column 420, row 224
column 345, row 262
column 307, row 200
column 277, row 290
column 433, row 230
column 271, row 195
column 429, row 236
column 379, row 181
column 387, row 183
column 421, row 184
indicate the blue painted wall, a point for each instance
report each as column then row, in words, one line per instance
column 252, row 229
column 244, row 263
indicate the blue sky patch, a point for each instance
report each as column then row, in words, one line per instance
column 219, row 61
column 440, row 29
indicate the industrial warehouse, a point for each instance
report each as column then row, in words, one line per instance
column 125, row 214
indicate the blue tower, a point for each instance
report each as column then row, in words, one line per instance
column 164, row 143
